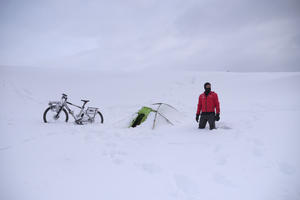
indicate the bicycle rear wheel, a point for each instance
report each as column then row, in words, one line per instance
column 99, row 118
column 51, row 116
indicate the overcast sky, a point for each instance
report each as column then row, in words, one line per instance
column 237, row 35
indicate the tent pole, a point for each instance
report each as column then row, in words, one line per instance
column 156, row 111
column 165, row 118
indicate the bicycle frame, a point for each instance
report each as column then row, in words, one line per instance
column 64, row 104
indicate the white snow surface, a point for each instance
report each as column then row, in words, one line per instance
column 253, row 155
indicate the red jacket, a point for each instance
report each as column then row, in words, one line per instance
column 208, row 103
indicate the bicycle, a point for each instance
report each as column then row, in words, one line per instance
column 58, row 112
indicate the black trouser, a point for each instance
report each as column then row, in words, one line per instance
column 208, row 116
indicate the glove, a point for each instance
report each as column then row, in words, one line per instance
column 217, row 117
column 197, row 118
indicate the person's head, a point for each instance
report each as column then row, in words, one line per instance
column 207, row 87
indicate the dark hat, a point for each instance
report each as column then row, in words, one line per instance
column 205, row 84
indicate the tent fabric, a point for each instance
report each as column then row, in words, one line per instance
column 142, row 116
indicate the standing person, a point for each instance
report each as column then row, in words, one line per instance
column 207, row 105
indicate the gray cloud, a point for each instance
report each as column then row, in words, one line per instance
column 206, row 35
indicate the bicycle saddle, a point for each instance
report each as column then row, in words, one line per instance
column 85, row 101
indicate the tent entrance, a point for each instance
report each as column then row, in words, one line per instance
column 141, row 117
column 138, row 120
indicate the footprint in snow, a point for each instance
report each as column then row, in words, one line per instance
column 223, row 180
column 115, row 156
column 224, row 127
column 258, row 147
column 150, row 168
column 221, row 161
column 117, row 161
column 217, row 148
column 286, row 168
column 186, row 185
column 5, row 148
column 257, row 152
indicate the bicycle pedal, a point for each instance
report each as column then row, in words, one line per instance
column 79, row 122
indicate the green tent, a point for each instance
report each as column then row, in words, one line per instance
column 160, row 113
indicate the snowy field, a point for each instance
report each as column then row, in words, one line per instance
column 253, row 155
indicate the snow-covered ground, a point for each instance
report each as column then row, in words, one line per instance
column 253, row 155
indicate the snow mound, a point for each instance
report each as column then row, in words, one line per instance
column 254, row 153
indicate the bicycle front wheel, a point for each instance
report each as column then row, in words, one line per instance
column 52, row 116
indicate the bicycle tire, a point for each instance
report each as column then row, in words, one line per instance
column 101, row 117
column 49, row 108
